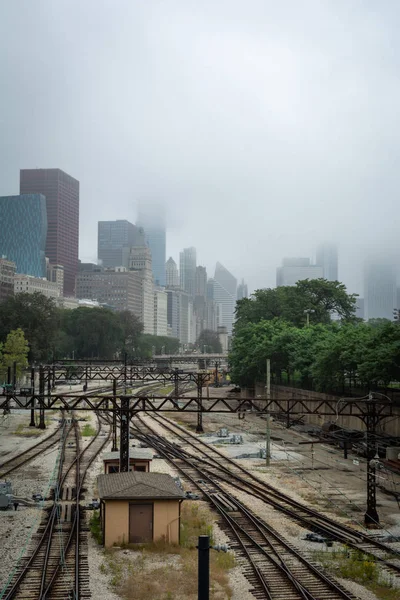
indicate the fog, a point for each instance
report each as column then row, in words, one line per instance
column 263, row 127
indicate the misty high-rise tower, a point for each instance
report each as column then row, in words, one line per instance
column 62, row 204
column 327, row 258
column 151, row 216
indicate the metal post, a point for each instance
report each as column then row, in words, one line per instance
column 345, row 448
column 268, row 431
column 9, row 377
column 42, row 424
column 216, row 375
column 14, row 377
column 268, row 442
column 124, row 436
column 176, row 384
column 125, row 360
column 199, row 428
column 32, row 423
column 203, row 567
column 371, row 516
column 114, row 422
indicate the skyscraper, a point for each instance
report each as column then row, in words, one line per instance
column 201, row 281
column 327, row 258
column 379, row 291
column 62, row 201
column 171, row 273
column 23, row 232
column 140, row 261
column 152, row 218
column 297, row 269
column 242, row 291
column 223, row 289
column 115, row 236
column 187, row 270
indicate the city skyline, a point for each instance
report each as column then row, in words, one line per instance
column 212, row 128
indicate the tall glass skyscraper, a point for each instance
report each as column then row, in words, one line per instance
column 187, row 270
column 23, row 221
column 152, row 218
column 62, row 204
column 327, row 258
column 113, row 238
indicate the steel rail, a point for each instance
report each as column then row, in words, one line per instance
column 275, row 498
column 172, row 452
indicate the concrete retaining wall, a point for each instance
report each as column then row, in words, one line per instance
column 390, row 426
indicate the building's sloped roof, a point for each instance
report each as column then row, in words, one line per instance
column 135, row 453
column 128, row 486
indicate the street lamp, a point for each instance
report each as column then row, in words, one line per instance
column 307, row 312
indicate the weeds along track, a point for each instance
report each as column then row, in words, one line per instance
column 55, row 566
column 274, row 568
column 219, row 466
column 312, row 519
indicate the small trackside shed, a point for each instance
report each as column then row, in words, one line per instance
column 139, row 460
column 137, row 508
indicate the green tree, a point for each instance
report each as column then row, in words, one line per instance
column 131, row 329
column 96, row 332
column 147, row 343
column 209, row 342
column 37, row 316
column 15, row 350
column 319, row 296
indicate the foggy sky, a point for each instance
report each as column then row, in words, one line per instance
column 265, row 127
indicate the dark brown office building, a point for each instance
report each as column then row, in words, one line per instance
column 62, row 201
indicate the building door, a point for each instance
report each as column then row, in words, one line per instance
column 140, row 523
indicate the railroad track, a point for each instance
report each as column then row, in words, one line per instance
column 56, row 565
column 274, row 568
column 218, row 465
column 23, row 458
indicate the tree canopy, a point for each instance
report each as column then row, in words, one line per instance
column 80, row 333
column 319, row 297
column 326, row 355
column 208, row 342
column 15, row 350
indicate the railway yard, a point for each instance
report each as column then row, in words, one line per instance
column 295, row 527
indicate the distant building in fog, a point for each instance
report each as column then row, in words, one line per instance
column 171, row 273
column 115, row 236
column 327, row 258
column 297, row 269
column 152, row 218
column 380, row 292
column 187, row 270
column 242, row 291
column 360, row 313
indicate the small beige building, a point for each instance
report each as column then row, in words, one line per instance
column 139, row 460
column 137, row 508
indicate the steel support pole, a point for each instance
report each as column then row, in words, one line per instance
column 124, row 436
column 32, row 423
column 199, row 428
column 216, row 375
column 371, row 516
column 176, row 384
column 42, row 424
column 203, row 567
column 114, row 422
column 268, row 429
column 14, row 377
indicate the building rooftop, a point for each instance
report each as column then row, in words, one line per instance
column 138, row 453
column 146, row 486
